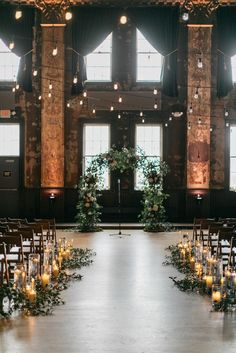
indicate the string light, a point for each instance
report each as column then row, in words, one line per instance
column 112, row 107
column 119, row 116
column 185, row 16
column 155, row 91
column 141, row 113
column 17, row 86
column 166, row 124
column 54, row 51
column 211, row 129
column 120, row 100
column 196, row 94
column 189, row 126
column 190, row 109
column 75, row 79
column 94, row 111
column 11, row 45
column 49, row 95
column 199, row 121
column 116, row 86
column 227, row 124
column 199, row 63
column 13, row 89
column 81, row 102
column 68, row 105
column 226, row 112
column 170, row 118
column 123, row 19
column 143, row 120
column 35, row 73
column 68, row 15
column 85, row 94
column 50, row 85
column 39, row 97
column 18, row 14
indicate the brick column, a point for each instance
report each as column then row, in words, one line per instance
column 52, row 113
column 199, row 120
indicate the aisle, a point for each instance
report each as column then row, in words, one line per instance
column 125, row 304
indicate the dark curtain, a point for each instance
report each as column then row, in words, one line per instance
column 159, row 25
column 226, row 39
column 21, row 32
column 89, row 28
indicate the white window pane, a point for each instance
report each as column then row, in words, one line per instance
column 98, row 63
column 96, row 141
column 9, row 140
column 233, row 165
column 233, row 63
column 232, row 180
column 9, row 63
column 149, row 61
column 148, row 138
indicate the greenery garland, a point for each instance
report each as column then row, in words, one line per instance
column 121, row 160
column 48, row 298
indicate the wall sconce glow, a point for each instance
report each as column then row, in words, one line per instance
column 52, row 196
column 68, row 15
column 199, row 197
column 18, row 14
column 123, row 19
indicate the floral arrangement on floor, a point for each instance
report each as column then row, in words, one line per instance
column 122, row 160
column 203, row 274
column 46, row 297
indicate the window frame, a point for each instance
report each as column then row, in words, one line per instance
column 91, row 82
column 83, row 147
column 149, row 124
column 146, row 82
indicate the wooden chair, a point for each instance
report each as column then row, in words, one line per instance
column 49, row 228
column 27, row 239
column 14, row 250
column 4, row 274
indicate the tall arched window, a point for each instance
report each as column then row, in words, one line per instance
column 9, row 64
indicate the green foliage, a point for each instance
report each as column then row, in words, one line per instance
column 124, row 159
column 48, row 298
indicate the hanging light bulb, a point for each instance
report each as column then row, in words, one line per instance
column 155, row 105
column 81, row 102
column 75, row 79
column 11, row 45
column 39, row 97
column 112, row 107
column 18, row 14
column 141, row 113
column 13, row 89
column 68, row 105
column 199, row 63
column 54, row 51
column 170, row 118
column 196, row 94
column 119, row 116
column 211, row 129
column 85, row 94
column 123, row 19
column 226, row 112
column 189, row 125
column 185, row 16
column 116, row 86
column 68, row 15
column 50, row 85
column 166, row 124
column 94, row 111
column 190, row 109
column 17, row 86
column 199, row 121
column 35, row 73
column 120, row 99
column 155, row 91
column 143, row 120
column 227, row 124
column 49, row 95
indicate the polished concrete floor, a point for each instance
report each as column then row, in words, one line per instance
column 126, row 303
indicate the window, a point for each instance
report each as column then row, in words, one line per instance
column 96, row 141
column 149, row 61
column 233, row 64
column 232, row 183
column 9, row 63
column 149, row 139
column 9, row 140
column 98, row 63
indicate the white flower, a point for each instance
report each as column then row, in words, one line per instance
column 87, row 205
column 155, row 207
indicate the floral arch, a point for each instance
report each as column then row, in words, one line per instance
column 122, row 160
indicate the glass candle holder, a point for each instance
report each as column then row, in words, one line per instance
column 33, row 266
column 19, row 276
column 216, row 296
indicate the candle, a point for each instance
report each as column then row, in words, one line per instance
column 59, row 260
column 55, row 269
column 32, row 283
column 222, row 280
column 209, row 281
column 192, row 263
column 45, row 279
column 32, row 295
column 27, row 289
column 216, row 296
